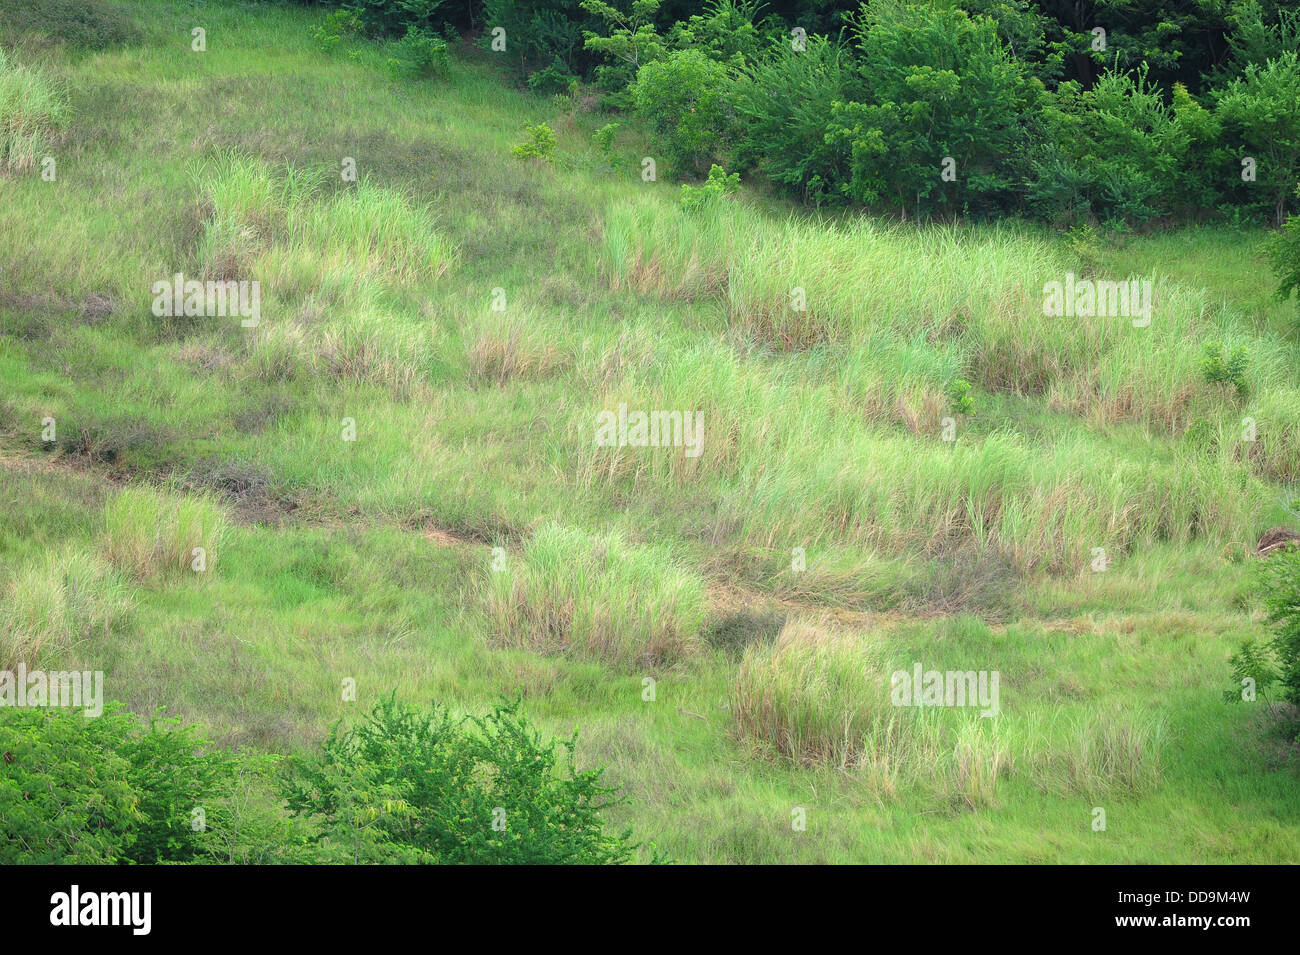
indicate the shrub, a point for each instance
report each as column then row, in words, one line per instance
column 537, row 34
column 31, row 109
column 1217, row 369
column 1284, row 254
column 104, row 790
column 596, row 596
column 408, row 785
column 395, row 17
column 1117, row 147
column 960, row 398
column 711, row 192
column 556, row 79
column 688, row 101
column 785, row 107
column 149, row 532
column 419, row 55
column 939, row 85
column 539, row 144
column 603, row 140
column 1279, row 580
column 632, row 42
column 1259, row 110
column 339, row 26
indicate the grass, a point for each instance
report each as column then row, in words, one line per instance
column 31, row 110
column 596, row 596
column 437, row 340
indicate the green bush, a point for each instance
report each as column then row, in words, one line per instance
column 1220, row 369
column 603, row 140
column 688, row 101
column 961, row 401
column 103, row 790
column 939, row 85
column 1259, row 111
column 338, row 27
column 537, row 35
column 1279, row 578
column 409, row 785
column 1284, row 255
column 710, row 192
column 785, row 106
column 540, row 143
column 1117, row 145
column 383, row 18
column 419, row 55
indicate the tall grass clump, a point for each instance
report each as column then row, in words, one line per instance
column 285, row 228
column 596, row 596
column 51, row 605
column 1097, row 751
column 821, row 697
column 150, row 533
column 32, row 108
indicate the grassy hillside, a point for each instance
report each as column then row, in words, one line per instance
column 377, row 560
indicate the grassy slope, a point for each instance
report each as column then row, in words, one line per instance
column 369, row 559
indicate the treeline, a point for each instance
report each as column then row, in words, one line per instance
column 1113, row 110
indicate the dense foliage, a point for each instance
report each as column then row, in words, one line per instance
column 102, row 790
column 1115, row 110
column 403, row 785
column 408, row 785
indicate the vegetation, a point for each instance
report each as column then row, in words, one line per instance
column 392, row 489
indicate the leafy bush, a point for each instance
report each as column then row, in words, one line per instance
column 688, row 101
column 631, row 42
column 556, row 78
column 338, row 27
column 939, row 86
column 785, row 107
column 395, row 17
column 711, row 192
column 408, row 785
column 1284, row 255
column 1259, row 111
column 537, row 35
column 104, row 790
column 419, row 55
column 31, row 109
column 1218, row 369
column 603, row 140
column 1277, row 659
column 1117, row 148
column 960, row 398
column 540, row 143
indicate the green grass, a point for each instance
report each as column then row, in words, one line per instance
column 350, row 465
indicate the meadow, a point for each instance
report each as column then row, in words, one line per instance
column 395, row 481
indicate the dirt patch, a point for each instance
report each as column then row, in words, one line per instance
column 1276, row 539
